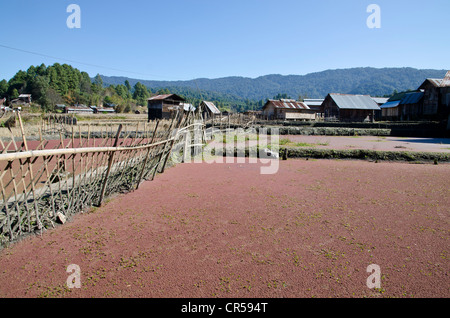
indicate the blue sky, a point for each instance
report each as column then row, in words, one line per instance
column 187, row 39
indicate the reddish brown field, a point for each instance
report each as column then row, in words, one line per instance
column 225, row 230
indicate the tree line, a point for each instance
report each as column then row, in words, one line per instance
column 64, row 84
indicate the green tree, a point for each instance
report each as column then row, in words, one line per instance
column 14, row 93
column 141, row 94
column 3, row 88
column 18, row 83
column 127, row 85
column 97, row 85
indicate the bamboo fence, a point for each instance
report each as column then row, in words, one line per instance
column 43, row 182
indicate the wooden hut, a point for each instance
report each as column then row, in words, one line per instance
column 350, row 108
column 287, row 109
column 209, row 110
column 164, row 106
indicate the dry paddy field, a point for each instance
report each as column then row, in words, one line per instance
column 225, row 230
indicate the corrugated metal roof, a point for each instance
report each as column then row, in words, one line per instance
column 390, row 104
column 313, row 102
column 346, row 101
column 288, row 104
column 380, row 100
column 411, row 98
column 446, row 81
column 435, row 81
column 212, row 107
column 166, row 96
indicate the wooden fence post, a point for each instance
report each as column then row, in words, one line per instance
column 147, row 155
column 111, row 157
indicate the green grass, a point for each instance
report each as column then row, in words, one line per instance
column 304, row 144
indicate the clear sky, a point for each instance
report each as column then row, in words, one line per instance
column 187, row 39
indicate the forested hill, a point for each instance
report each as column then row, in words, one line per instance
column 372, row 81
column 56, row 84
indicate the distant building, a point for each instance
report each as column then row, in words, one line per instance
column 444, row 99
column 411, row 106
column 102, row 110
column 380, row 100
column 431, row 101
column 314, row 104
column 78, row 109
column 164, row 106
column 209, row 110
column 390, row 110
column 350, row 108
column 287, row 109
column 23, row 99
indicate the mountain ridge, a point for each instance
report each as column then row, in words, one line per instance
column 360, row 80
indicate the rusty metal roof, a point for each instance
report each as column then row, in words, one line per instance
column 446, row 81
column 436, row 82
column 212, row 107
column 287, row 104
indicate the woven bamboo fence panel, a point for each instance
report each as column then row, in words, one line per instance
column 70, row 168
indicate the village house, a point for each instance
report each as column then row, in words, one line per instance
column 436, row 99
column 315, row 105
column 287, row 109
column 390, row 110
column 444, row 99
column 350, row 108
column 209, row 110
column 164, row 106
column 78, row 109
column 430, row 88
column 411, row 106
column 103, row 110
column 403, row 106
column 22, row 100
column 431, row 101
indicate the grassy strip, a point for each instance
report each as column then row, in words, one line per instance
column 356, row 154
column 331, row 131
column 367, row 154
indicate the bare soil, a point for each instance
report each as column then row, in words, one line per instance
column 374, row 143
column 225, row 230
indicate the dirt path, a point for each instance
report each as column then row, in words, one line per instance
column 225, row 230
column 374, row 143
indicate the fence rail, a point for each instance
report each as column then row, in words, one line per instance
column 46, row 181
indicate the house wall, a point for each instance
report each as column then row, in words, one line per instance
column 356, row 115
column 430, row 101
column 444, row 103
column 411, row 112
column 269, row 112
column 330, row 109
column 160, row 110
column 298, row 115
column 390, row 113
